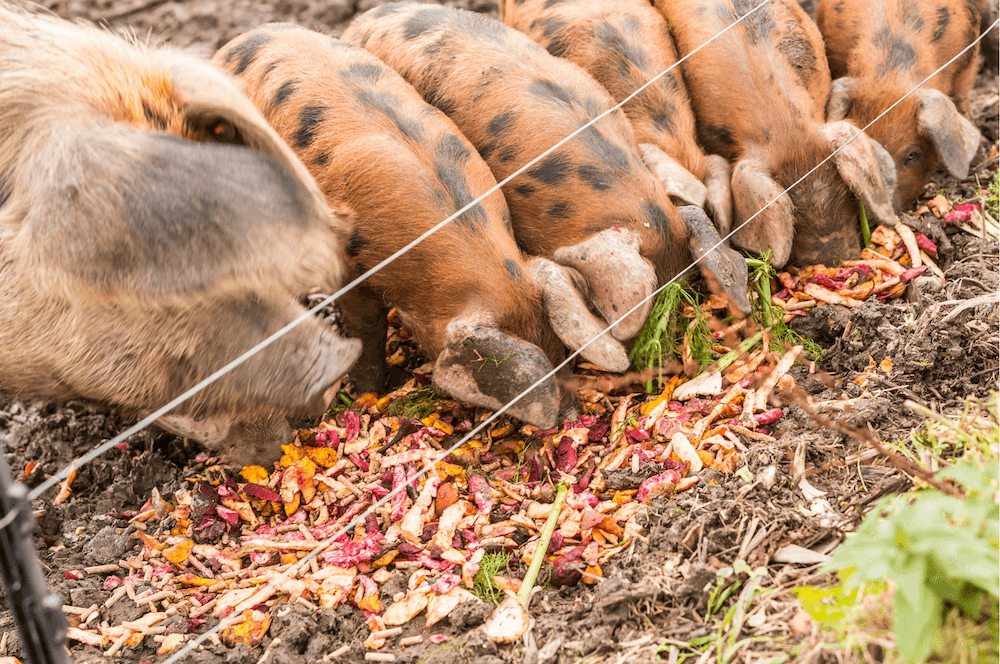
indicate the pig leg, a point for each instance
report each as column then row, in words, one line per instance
column 364, row 317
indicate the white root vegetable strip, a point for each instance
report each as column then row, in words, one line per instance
column 892, row 267
column 932, row 265
column 825, row 295
column 784, row 364
column 910, row 240
column 799, row 305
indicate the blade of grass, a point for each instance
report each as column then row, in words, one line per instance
column 524, row 594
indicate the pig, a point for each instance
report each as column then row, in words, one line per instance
column 153, row 227
column 878, row 52
column 491, row 320
column 759, row 92
column 591, row 204
column 623, row 44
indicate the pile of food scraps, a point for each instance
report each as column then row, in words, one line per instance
column 227, row 545
column 893, row 257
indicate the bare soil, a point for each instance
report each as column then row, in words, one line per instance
column 653, row 595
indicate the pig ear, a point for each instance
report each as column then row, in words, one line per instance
column 955, row 138
column 571, row 319
column 841, row 97
column 774, row 227
column 678, row 181
column 485, row 367
column 886, row 166
column 720, row 195
column 724, row 268
column 618, row 276
column 859, row 166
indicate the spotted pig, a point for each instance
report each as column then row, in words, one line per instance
column 881, row 50
column 591, row 204
column 489, row 319
column 758, row 92
column 623, row 44
column 152, row 229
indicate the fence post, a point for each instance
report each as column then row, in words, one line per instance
column 39, row 616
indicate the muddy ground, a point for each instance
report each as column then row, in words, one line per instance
column 653, row 596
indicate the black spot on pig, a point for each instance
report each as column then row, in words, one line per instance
column 839, row 7
column 356, row 244
column 799, row 54
column 246, row 51
column 657, row 219
column 513, row 269
column 309, row 121
column 423, row 20
column 552, row 3
column 911, row 17
column 377, row 101
column 599, row 179
column 362, row 72
column 663, row 120
column 560, row 210
column 550, row 91
column 552, row 31
column 450, row 154
column 619, row 51
column 322, row 159
column 758, row 26
column 269, row 69
column 551, row 170
column 525, row 190
column 505, row 154
column 941, row 26
column 4, row 194
column 614, row 156
column 446, row 106
column 501, row 124
column 284, row 91
column 897, row 53
column 722, row 135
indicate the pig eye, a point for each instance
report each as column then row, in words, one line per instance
column 914, row 155
column 222, row 131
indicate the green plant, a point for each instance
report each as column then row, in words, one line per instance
column 418, row 403
column 866, row 231
column 940, row 551
column 341, row 403
column 725, row 639
column 991, row 196
column 483, row 586
column 771, row 316
column 666, row 329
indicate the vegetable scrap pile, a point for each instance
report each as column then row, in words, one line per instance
column 893, row 257
column 226, row 544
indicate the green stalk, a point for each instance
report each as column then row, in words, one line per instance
column 866, row 233
column 524, row 594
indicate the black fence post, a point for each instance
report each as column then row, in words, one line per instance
column 39, row 616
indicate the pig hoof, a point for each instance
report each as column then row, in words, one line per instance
column 620, row 278
column 485, row 367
